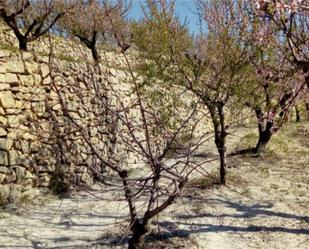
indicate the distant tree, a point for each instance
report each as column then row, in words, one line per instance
column 29, row 19
column 290, row 21
column 87, row 20
column 277, row 53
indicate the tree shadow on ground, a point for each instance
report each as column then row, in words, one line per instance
column 246, row 211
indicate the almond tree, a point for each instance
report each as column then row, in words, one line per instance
column 291, row 21
column 29, row 20
column 214, row 67
column 280, row 88
column 141, row 128
column 87, row 20
column 279, row 41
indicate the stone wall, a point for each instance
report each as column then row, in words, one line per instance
column 47, row 117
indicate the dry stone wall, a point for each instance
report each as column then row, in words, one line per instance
column 49, row 113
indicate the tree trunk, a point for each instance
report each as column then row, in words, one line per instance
column 264, row 138
column 218, row 119
column 265, row 132
column 22, row 43
column 222, row 166
column 139, row 230
column 95, row 54
column 297, row 114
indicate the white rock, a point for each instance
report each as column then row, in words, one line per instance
column 7, row 100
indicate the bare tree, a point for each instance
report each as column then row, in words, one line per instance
column 29, row 19
column 140, row 129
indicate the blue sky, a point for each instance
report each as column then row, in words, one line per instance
column 184, row 9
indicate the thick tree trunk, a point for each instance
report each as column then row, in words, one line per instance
column 264, row 138
column 139, row 230
column 265, row 132
column 23, row 43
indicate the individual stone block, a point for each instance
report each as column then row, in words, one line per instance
column 38, row 107
column 39, row 95
column 86, row 178
column 29, row 175
column 13, row 111
column 3, row 120
column 4, row 192
column 3, row 132
column 6, row 144
column 26, row 56
column 9, row 78
column 4, row 158
column 20, row 172
column 4, row 170
column 4, row 86
column 47, row 81
column 15, row 192
column 14, row 157
column 4, row 53
column 14, row 67
column 31, row 68
column 22, row 146
column 15, row 120
column 44, row 70
column 2, row 179
column 37, row 79
column 2, row 112
column 26, row 80
column 29, row 136
column 7, row 100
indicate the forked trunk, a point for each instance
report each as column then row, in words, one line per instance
column 22, row 41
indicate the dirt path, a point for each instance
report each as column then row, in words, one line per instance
column 265, row 205
column 67, row 223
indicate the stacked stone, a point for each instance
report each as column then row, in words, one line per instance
column 21, row 100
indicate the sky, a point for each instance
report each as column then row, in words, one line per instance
column 183, row 8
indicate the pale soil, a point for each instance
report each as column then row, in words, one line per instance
column 265, row 205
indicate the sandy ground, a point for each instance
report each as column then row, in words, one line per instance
column 265, row 205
